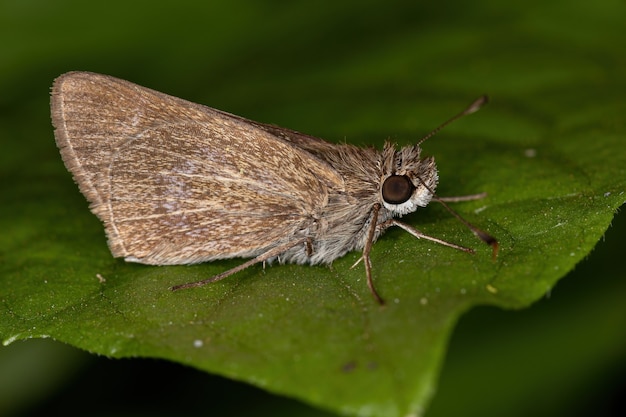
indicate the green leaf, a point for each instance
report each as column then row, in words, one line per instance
column 549, row 151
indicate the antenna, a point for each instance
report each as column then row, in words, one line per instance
column 472, row 108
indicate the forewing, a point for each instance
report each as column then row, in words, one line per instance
column 177, row 182
column 303, row 141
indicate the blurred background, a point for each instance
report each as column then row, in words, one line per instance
column 328, row 69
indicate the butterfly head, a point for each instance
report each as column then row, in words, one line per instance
column 407, row 182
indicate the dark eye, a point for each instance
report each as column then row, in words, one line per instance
column 397, row 189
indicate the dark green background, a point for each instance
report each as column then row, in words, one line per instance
column 310, row 66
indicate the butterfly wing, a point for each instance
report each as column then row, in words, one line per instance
column 175, row 182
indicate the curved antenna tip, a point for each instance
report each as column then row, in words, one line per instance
column 477, row 104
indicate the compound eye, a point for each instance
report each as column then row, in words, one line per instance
column 397, row 189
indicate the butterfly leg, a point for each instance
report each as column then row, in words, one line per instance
column 308, row 246
column 458, row 199
column 261, row 258
column 366, row 253
column 482, row 235
column 413, row 231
